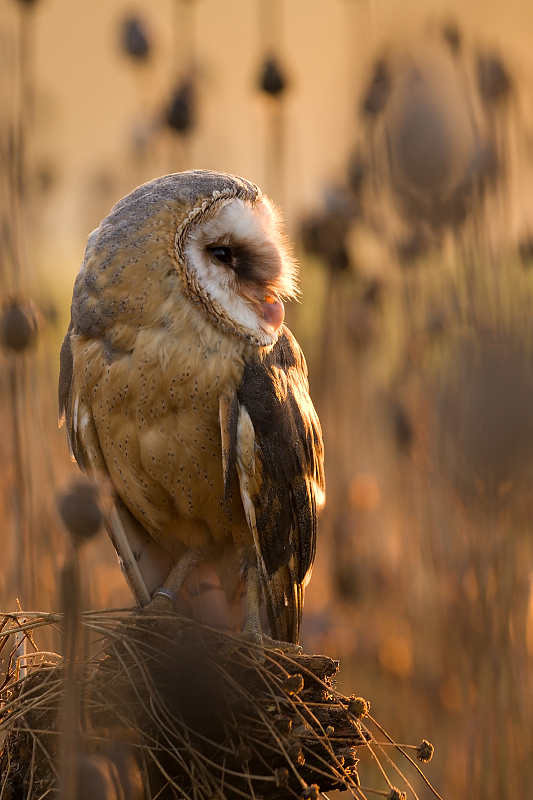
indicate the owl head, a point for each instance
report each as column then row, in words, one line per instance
column 218, row 233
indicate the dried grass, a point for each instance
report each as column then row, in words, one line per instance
column 202, row 718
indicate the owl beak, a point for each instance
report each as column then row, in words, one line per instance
column 268, row 305
column 273, row 311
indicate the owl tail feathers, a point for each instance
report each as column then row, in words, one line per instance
column 284, row 600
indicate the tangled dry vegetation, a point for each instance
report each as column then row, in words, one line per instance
column 169, row 708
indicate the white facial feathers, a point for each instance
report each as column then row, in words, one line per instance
column 241, row 258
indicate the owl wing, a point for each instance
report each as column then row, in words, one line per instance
column 273, row 437
column 140, row 559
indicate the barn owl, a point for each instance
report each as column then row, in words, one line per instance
column 180, row 382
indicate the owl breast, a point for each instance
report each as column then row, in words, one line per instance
column 155, row 405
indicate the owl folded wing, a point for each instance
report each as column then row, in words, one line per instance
column 271, row 433
column 140, row 559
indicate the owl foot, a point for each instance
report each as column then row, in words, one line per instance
column 254, row 636
column 288, row 648
column 252, row 632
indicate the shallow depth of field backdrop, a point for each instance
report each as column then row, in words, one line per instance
column 397, row 137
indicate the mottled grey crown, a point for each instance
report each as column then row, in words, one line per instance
column 186, row 188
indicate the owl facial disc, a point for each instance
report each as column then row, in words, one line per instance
column 239, row 260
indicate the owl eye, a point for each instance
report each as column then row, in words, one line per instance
column 222, row 254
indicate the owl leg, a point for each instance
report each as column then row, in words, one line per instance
column 252, row 631
column 163, row 599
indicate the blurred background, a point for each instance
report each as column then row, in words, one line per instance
column 397, row 137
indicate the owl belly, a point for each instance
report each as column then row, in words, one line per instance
column 157, row 415
column 181, row 457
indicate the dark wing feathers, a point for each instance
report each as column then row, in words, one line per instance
column 290, row 459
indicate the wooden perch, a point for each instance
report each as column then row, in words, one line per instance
column 199, row 715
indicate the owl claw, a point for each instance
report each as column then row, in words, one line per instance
column 253, row 637
column 288, row 648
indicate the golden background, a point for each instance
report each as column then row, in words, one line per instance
column 419, row 348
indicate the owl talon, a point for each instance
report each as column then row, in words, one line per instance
column 253, row 637
column 287, row 648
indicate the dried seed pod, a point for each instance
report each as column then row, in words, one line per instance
column 424, row 751
column 243, row 754
column 493, row 434
column 282, row 777
column 373, row 293
column 272, row 80
column 293, row 684
column 180, row 112
column 452, row 36
column 413, row 247
column 135, row 38
column 80, row 510
column 311, row 793
column 402, row 426
column 283, row 725
column 396, row 794
column 296, row 754
column 19, row 324
column 425, row 149
column 355, row 172
column 493, row 79
column 359, row 707
column 525, row 250
column 348, row 754
column 324, row 235
column 379, row 89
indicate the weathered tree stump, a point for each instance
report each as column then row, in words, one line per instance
column 196, row 713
